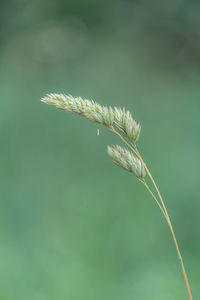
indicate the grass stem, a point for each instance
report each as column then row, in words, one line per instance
column 163, row 209
column 169, row 224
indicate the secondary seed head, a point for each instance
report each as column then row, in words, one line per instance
column 126, row 160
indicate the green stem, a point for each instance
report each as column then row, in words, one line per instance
column 169, row 224
column 156, row 200
column 163, row 209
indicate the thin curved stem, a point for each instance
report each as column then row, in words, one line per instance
column 163, row 209
column 151, row 177
column 152, row 194
column 154, row 197
column 121, row 137
column 170, row 227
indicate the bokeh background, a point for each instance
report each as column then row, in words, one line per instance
column 73, row 225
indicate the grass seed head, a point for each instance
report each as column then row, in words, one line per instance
column 112, row 118
column 126, row 160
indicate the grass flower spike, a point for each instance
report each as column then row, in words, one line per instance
column 112, row 118
column 126, row 160
column 121, row 123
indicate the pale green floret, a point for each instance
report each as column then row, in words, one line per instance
column 124, row 122
column 126, row 160
column 95, row 117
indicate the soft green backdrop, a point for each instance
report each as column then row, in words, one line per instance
column 74, row 226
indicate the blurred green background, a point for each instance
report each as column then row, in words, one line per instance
column 73, row 225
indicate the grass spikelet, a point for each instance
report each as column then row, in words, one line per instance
column 126, row 160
